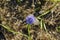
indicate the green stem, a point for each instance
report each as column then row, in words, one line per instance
column 41, row 24
column 29, row 38
column 47, row 11
column 10, row 30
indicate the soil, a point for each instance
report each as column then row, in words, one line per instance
column 13, row 14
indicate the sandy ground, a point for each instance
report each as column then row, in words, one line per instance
column 13, row 14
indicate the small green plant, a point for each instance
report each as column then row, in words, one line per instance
column 30, row 19
column 42, row 24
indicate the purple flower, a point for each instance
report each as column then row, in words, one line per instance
column 30, row 19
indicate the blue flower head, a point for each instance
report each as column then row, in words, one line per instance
column 30, row 19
